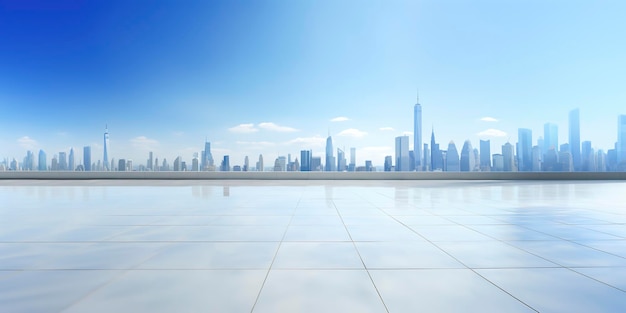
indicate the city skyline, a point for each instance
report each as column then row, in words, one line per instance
column 540, row 153
column 275, row 78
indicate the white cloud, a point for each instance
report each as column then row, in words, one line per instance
column 376, row 149
column 255, row 143
column 340, row 119
column 489, row 119
column 315, row 141
column 27, row 142
column 386, row 129
column 492, row 132
column 143, row 140
column 352, row 132
column 273, row 127
column 144, row 143
column 244, row 129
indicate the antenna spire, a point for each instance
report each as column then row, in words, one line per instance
column 418, row 96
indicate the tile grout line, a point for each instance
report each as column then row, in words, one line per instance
column 467, row 267
column 361, row 258
column 258, row 296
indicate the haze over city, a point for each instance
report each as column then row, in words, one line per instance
column 275, row 77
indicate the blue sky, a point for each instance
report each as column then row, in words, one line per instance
column 270, row 76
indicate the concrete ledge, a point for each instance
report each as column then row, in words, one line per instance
column 314, row 175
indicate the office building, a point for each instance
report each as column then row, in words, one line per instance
column 508, row 160
column 71, row 162
column 436, row 155
column 388, row 163
column 62, row 161
column 121, row 165
column 417, row 135
column 485, row 155
column 330, row 159
column 41, row 162
column 259, row 164
column 305, row 160
column 352, row 165
column 550, row 137
column 341, row 160
column 87, row 158
column 453, row 163
column 588, row 157
column 105, row 159
column 468, row 160
column 402, row 153
column 621, row 142
column 574, row 138
column 524, row 152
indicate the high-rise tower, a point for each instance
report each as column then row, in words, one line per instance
column 524, row 150
column 106, row 149
column 621, row 140
column 330, row 159
column 417, row 134
column 574, row 137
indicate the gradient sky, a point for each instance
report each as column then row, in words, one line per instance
column 270, row 76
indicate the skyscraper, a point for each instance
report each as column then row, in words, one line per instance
column 305, row 159
column 352, row 164
column 259, row 164
column 388, row 163
column 525, row 150
column 150, row 161
column 550, row 137
column 207, row 158
column 574, row 137
column 41, row 165
column 508, row 160
column 467, row 157
column 417, row 135
column 621, row 141
column 87, row 158
column 588, row 160
column 62, row 161
column 330, row 159
column 402, row 153
column 71, row 163
column 452, row 158
column 106, row 147
column 341, row 160
column 485, row 155
column 435, row 154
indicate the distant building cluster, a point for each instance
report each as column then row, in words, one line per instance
column 523, row 156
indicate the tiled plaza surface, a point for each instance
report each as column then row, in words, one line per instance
column 312, row 246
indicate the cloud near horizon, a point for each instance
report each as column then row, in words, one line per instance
column 277, row 128
column 244, row 129
column 386, row 129
column 340, row 119
column 492, row 132
column 27, row 142
column 352, row 132
column 489, row 119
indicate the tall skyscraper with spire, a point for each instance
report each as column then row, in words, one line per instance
column 574, row 137
column 330, row 165
column 417, row 134
column 106, row 148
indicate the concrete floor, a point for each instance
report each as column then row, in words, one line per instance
column 312, row 246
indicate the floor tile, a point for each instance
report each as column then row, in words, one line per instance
column 449, row 290
column 176, row 291
column 317, row 255
column 318, row 291
column 557, row 290
column 213, row 255
column 405, row 254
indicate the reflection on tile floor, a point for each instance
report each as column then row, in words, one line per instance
column 312, row 246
